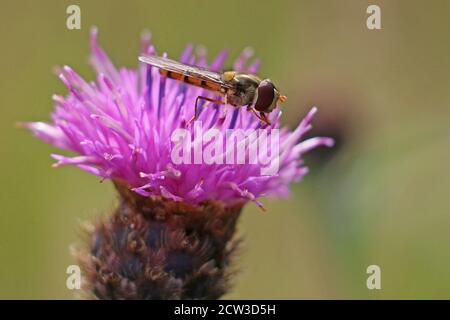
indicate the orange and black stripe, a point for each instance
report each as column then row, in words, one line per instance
column 205, row 84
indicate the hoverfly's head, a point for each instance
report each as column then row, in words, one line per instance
column 267, row 96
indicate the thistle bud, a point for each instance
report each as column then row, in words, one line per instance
column 154, row 248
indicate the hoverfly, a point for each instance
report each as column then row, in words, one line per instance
column 238, row 89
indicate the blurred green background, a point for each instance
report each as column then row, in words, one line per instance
column 380, row 197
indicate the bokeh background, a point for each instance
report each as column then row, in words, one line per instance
column 380, row 197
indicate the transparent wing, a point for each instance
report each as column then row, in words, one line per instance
column 178, row 67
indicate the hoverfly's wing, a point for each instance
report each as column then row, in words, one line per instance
column 185, row 70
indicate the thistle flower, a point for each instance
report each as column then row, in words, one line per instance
column 172, row 235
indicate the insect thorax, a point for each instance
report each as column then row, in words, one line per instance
column 244, row 88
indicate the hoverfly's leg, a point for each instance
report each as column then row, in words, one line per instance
column 264, row 118
column 196, row 106
column 261, row 116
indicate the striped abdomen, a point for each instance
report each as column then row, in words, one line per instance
column 194, row 81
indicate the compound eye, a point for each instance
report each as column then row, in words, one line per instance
column 266, row 95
